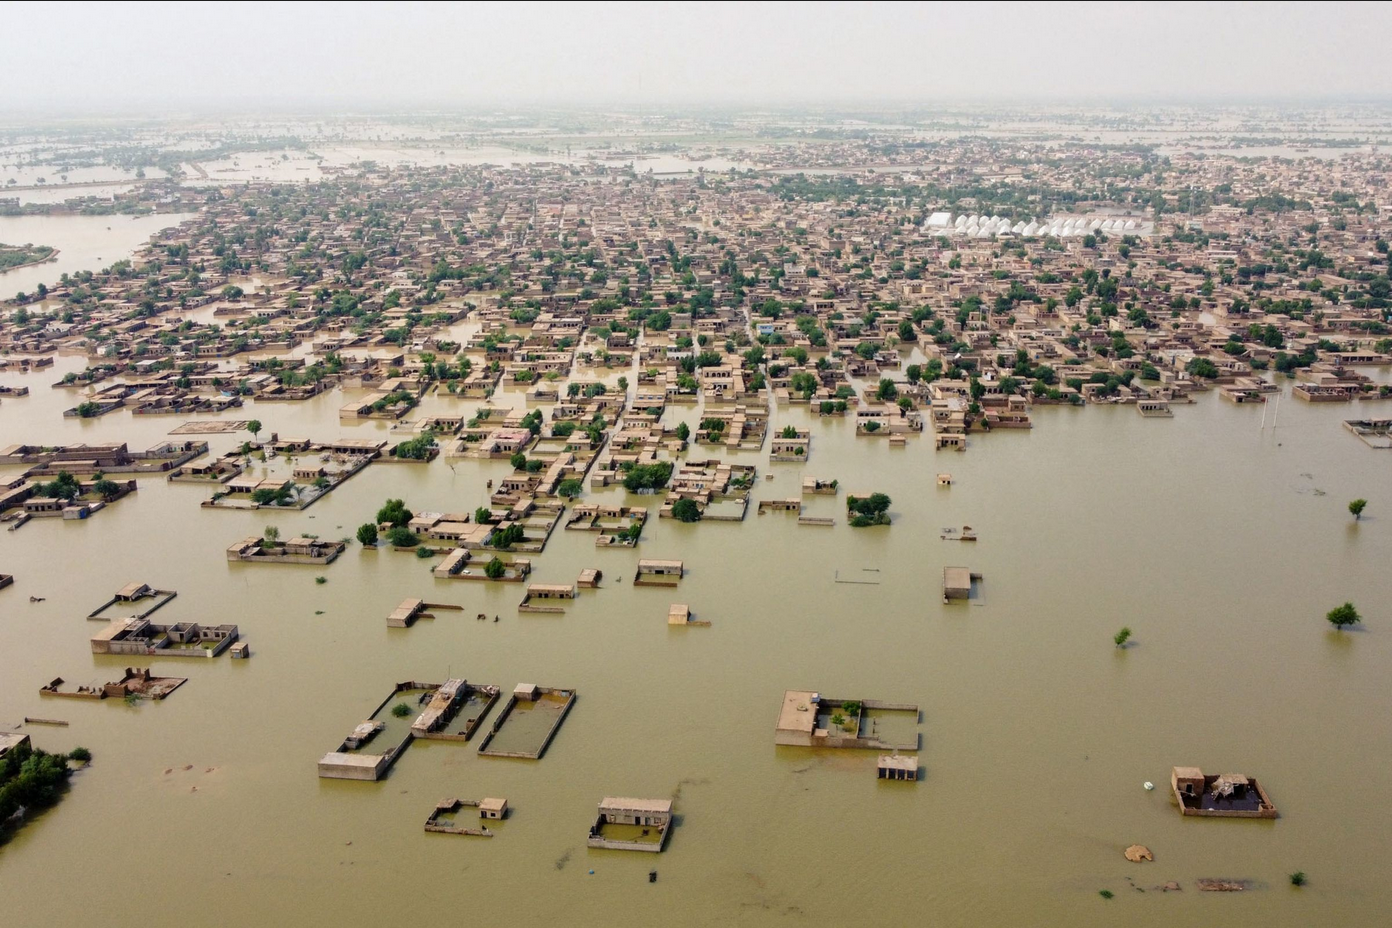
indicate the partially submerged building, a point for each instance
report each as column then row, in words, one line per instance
column 302, row 549
column 443, row 818
column 808, row 719
column 114, row 458
column 182, row 639
column 461, row 564
column 957, row 583
column 135, row 600
column 1226, row 795
column 452, row 700
column 896, row 767
column 546, row 597
column 12, row 741
column 405, row 614
column 370, row 749
column 137, row 683
column 625, row 824
column 662, row 573
column 528, row 722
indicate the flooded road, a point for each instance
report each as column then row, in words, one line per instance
column 1219, row 544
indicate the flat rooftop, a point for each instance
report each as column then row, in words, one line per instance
column 339, row 759
column 644, row 806
column 11, row 740
column 798, row 712
column 898, row 762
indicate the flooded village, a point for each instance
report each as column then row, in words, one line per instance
column 757, row 392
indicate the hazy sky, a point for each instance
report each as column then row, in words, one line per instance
column 138, row 56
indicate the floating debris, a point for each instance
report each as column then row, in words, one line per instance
column 1138, row 852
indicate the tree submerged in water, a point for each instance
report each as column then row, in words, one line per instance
column 1121, row 637
column 30, row 779
column 686, row 510
column 1342, row 616
column 1356, row 508
column 868, row 510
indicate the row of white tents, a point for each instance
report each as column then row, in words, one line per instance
column 987, row 226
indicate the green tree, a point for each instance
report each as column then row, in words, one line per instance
column 1202, row 367
column 686, row 510
column 683, row 431
column 415, row 449
column 495, row 568
column 1121, row 637
column 570, row 488
column 648, row 476
column 106, row 489
column 266, row 496
column 270, row 536
column 367, row 534
column 483, row 515
column 518, row 461
column 30, row 779
column 1341, row 616
column 254, row 427
column 868, row 510
column 64, row 487
column 507, row 536
column 402, row 537
column 394, row 511
column 1356, row 507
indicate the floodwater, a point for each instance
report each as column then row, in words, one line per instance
column 85, row 243
column 52, row 175
column 64, row 193
column 299, row 166
column 1221, row 545
column 1288, row 152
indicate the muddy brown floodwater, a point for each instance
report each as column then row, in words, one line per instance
column 1220, row 545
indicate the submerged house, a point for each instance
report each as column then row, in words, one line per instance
column 896, row 767
column 651, row 570
column 809, row 719
column 957, row 582
column 183, row 639
column 631, row 824
column 1225, row 795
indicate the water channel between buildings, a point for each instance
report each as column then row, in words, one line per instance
column 1219, row 544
